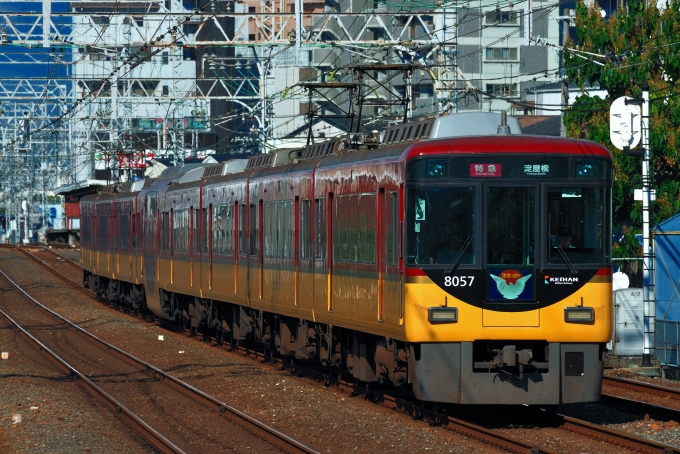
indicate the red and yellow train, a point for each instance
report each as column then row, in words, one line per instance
column 473, row 266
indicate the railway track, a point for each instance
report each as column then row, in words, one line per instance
column 657, row 412
column 154, row 437
column 632, row 442
column 647, row 388
column 492, row 437
column 147, row 432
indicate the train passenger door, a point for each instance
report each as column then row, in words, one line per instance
column 193, row 244
column 207, row 242
column 115, row 241
column 322, row 253
column 244, row 273
column 235, row 232
column 389, row 308
column 254, row 259
column 305, row 261
column 382, row 250
column 110, row 218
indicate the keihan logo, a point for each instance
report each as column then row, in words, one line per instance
column 561, row 280
column 510, row 283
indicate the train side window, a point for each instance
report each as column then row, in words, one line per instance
column 229, row 229
column 180, row 236
column 270, row 229
column 223, row 229
column 306, row 229
column 150, row 220
column 165, row 225
column 195, row 220
column 204, row 230
column 218, row 229
column 320, row 229
column 124, row 236
column 133, row 227
column 86, row 229
column 150, row 203
column 254, row 230
column 342, row 229
column 288, row 220
column 103, row 229
column 242, row 236
column 391, row 227
column 277, row 228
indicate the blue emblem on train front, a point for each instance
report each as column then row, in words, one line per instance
column 511, row 284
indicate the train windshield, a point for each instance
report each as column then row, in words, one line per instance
column 511, row 225
column 577, row 225
column 495, row 225
column 441, row 225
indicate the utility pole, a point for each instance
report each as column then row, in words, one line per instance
column 565, row 104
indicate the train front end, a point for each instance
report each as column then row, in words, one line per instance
column 507, row 269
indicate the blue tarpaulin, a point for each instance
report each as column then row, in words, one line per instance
column 667, row 269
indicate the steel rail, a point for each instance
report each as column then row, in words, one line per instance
column 63, row 258
column 647, row 388
column 630, row 405
column 55, row 254
column 623, row 439
column 236, row 416
column 157, row 440
column 57, row 272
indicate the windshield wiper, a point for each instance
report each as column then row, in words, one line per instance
column 459, row 256
column 563, row 254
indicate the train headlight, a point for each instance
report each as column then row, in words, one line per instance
column 579, row 314
column 442, row 314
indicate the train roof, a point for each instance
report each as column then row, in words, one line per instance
column 509, row 144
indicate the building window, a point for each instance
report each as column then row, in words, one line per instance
column 165, row 58
column 100, row 20
column 501, row 17
column 501, row 89
column 97, row 56
column 501, row 53
column 144, row 87
column 189, row 54
column 424, row 91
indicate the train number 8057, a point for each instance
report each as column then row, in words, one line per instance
column 458, row 281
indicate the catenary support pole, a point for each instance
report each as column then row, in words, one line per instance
column 649, row 300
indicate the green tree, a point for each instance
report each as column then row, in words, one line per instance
column 637, row 43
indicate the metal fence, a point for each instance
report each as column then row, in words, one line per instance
column 667, row 342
